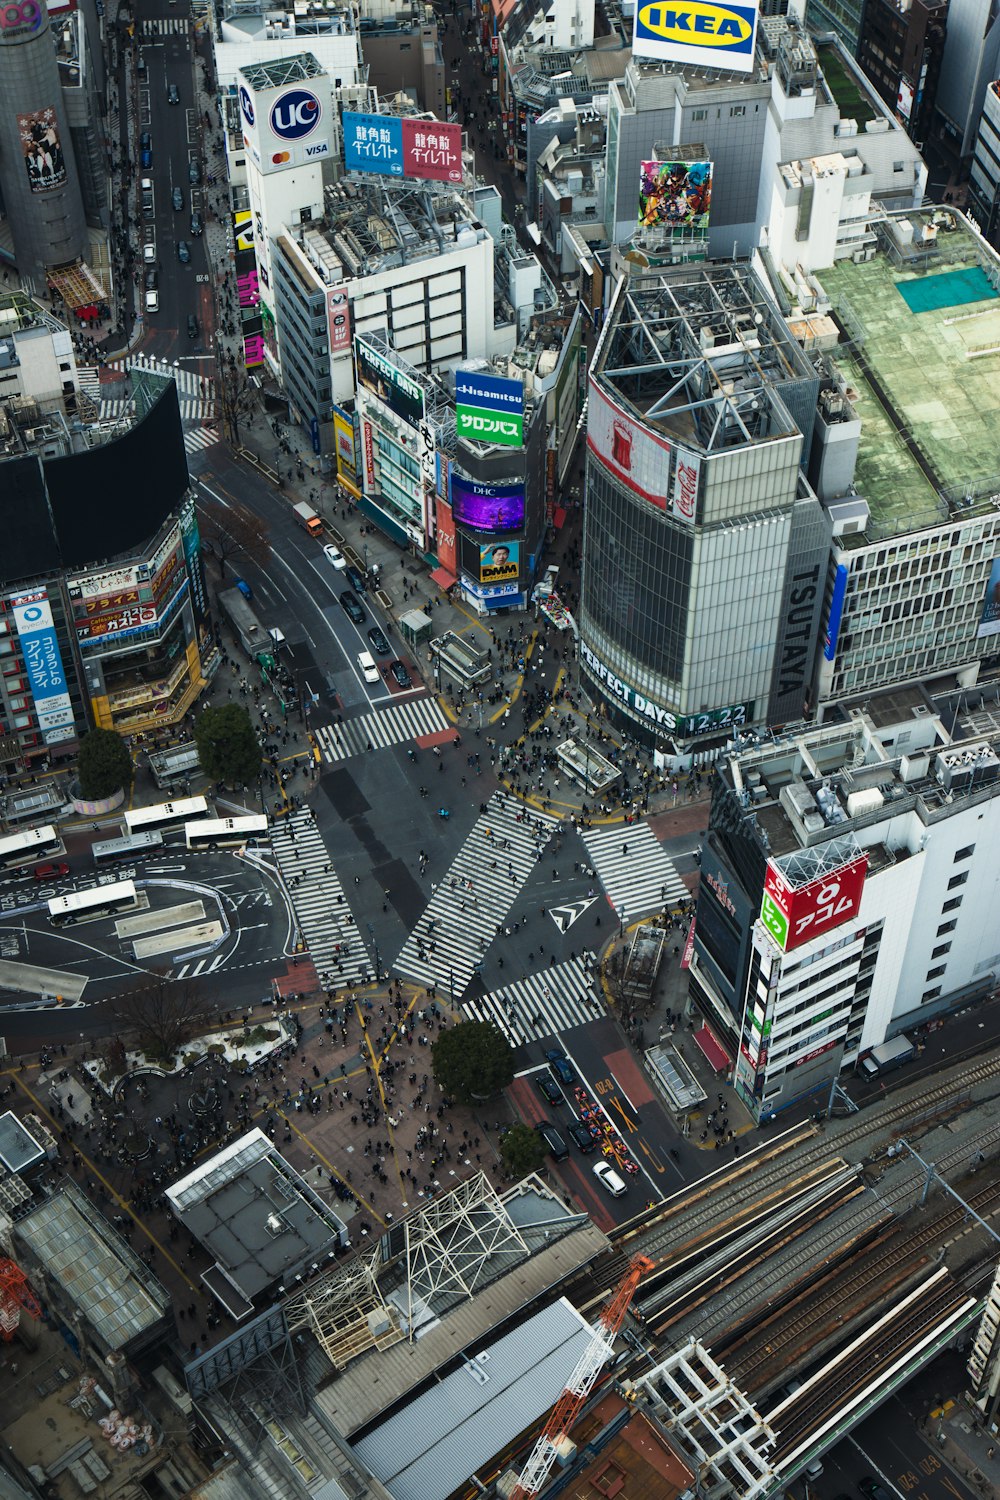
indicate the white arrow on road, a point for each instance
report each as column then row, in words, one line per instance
column 565, row 916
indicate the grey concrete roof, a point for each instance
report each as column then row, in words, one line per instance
column 18, row 1148
column 429, row 1448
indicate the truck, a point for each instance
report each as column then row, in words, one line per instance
column 886, row 1056
column 307, row 518
column 249, row 631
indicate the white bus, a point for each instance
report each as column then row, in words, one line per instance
column 99, row 901
column 25, row 848
column 165, row 815
column 130, row 846
column 225, row 833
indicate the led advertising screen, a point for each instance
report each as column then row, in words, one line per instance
column 487, row 507
column 403, row 395
column 43, row 156
column 675, row 194
column 989, row 620
column 697, row 32
column 794, row 915
column 499, row 563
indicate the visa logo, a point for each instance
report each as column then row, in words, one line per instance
column 322, row 148
column 696, row 24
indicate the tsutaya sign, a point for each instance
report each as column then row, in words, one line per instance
column 697, row 32
column 685, row 726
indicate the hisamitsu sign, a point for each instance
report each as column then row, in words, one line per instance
column 489, row 409
column 697, row 32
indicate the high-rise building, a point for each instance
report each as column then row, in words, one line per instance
column 38, row 171
column 705, row 549
column 984, row 178
column 970, row 62
column 900, row 50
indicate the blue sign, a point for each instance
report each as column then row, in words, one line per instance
column 246, row 104
column 43, row 663
column 836, row 612
column 373, row 143
column 489, row 392
column 314, row 434
column 295, row 114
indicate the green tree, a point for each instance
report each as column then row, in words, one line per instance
column 104, row 765
column 522, row 1151
column 235, row 531
column 162, row 1012
column 227, row 746
column 472, row 1061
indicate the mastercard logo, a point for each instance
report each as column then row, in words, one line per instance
column 280, row 156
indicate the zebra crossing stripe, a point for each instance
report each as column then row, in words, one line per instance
column 472, row 901
column 200, row 437
column 317, row 896
column 637, row 876
column 380, row 729
column 89, row 381
column 543, row 1004
column 163, row 26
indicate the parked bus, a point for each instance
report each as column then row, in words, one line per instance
column 25, row 848
column 99, row 901
column 166, row 815
column 225, row 833
column 129, row 846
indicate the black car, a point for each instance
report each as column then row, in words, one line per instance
column 554, row 1142
column 194, row 170
column 197, row 224
column 581, row 1136
column 177, row 199
column 183, row 252
column 549, row 1089
column 192, row 326
column 151, row 279
column 401, row 675
column 561, row 1066
column 173, row 97
column 379, row 643
column 352, row 607
column 356, row 580
column 872, row 1490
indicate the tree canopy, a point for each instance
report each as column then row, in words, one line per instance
column 104, row 765
column 234, row 530
column 163, row 1012
column 227, row 746
column 522, row 1151
column 472, row 1061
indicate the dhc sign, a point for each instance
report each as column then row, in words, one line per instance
column 698, row 32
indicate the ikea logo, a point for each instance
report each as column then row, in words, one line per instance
column 685, row 30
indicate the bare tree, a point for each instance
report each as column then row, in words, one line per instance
column 163, row 1012
column 234, row 530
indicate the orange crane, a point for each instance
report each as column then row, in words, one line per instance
column 15, row 1294
column 580, row 1383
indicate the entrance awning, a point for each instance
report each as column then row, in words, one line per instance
column 443, row 578
column 77, row 285
column 715, row 1053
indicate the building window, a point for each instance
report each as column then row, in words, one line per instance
column 941, row 950
column 930, row 994
column 965, row 853
column 958, row 879
column 737, row 110
column 936, row 972
column 952, row 905
column 947, row 927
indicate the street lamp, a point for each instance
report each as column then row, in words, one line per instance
column 378, row 965
column 621, row 920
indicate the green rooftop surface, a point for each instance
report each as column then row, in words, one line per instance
column 947, row 403
column 947, row 289
column 849, row 96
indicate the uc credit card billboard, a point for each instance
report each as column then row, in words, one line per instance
column 694, row 31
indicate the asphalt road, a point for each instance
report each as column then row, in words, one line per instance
column 891, row 1449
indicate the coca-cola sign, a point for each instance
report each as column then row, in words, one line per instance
column 687, row 471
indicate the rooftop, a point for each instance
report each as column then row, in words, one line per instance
column 281, row 70
column 18, row 1148
column 853, row 100
column 925, row 366
column 637, row 1463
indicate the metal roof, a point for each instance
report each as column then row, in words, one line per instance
column 95, row 1269
column 18, row 1148
column 429, row 1448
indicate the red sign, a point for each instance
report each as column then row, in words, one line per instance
column 446, row 537
column 639, row 458
column 432, row 150
column 369, row 474
column 688, row 947
column 811, row 910
column 338, row 314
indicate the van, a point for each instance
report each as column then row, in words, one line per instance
column 609, row 1179
column 368, row 668
column 557, row 1148
column 152, row 302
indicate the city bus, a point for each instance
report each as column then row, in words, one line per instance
column 99, row 901
column 129, row 846
column 225, row 833
column 26, row 848
column 165, row 815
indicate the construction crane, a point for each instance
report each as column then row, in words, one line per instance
column 580, row 1383
column 15, row 1294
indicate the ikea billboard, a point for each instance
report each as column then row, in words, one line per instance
column 697, row 32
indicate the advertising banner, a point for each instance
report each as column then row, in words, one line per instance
column 191, row 539
column 697, row 32
column 343, row 429
column 288, row 125
column 43, row 663
column 338, row 314
column 21, row 19
column 432, row 151
column 639, row 458
column 489, row 409
column 447, row 555
column 243, row 230
column 989, row 620
column 499, row 563
column 368, row 478
column 41, row 147
column 401, row 394
column 100, row 585
column 904, row 98
column 373, row 143
column 794, row 915
column 487, row 507
column 687, row 472
column 836, row 613
column 686, row 726
column 675, row 194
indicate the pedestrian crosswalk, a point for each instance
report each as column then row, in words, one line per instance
column 194, row 392
column 380, row 729
column 89, row 380
column 327, row 926
column 472, row 901
column 196, row 438
column 200, row 966
column 541, row 1005
column 152, row 26
column 637, row 876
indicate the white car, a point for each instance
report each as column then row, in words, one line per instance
column 367, row 664
column 149, row 255
column 609, row 1179
column 335, row 557
column 152, row 302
